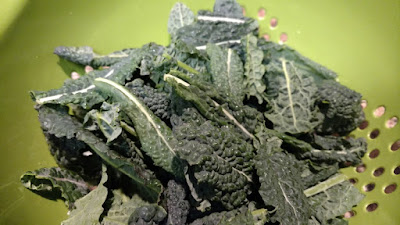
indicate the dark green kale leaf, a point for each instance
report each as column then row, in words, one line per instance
column 313, row 173
column 245, row 215
column 179, row 16
column 81, row 92
column 155, row 136
column 56, row 183
column 341, row 107
column 85, row 55
column 188, row 58
column 178, row 207
column 291, row 94
column 254, row 69
column 148, row 215
column 57, row 122
column 90, row 207
column 226, row 25
column 337, row 149
column 158, row 102
column 274, row 51
column 281, row 187
column 226, row 71
column 219, row 158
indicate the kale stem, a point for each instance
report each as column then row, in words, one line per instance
column 182, row 64
column 336, row 179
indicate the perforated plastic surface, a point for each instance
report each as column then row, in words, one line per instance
column 359, row 39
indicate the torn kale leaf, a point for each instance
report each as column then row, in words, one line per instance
column 55, row 183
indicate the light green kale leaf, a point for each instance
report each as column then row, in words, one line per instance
column 56, row 121
column 89, row 208
column 179, row 16
column 123, row 208
column 253, row 69
column 333, row 197
column 281, row 187
column 155, row 136
column 291, row 94
column 56, row 183
column 107, row 119
column 226, row 71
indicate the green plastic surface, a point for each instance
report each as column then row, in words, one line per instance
column 359, row 39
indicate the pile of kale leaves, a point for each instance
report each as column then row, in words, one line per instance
column 219, row 127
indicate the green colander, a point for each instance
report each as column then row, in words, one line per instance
column 359, row 39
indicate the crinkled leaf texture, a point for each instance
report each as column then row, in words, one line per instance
column 341, row 107
column 274, row 50
column 179, row 16
column 178, row 207
column 85, row 56
column 281, row 187
column 226, row 71
column 291, row 94
column 337, row 149
column 219, row 158
column 56, row 121
column 155, row 136
column 334, row 201
column 90, row 207
column 56, row 183
column 158, row 102
column 254, row 69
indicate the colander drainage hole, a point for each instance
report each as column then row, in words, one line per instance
column 374, row 153
column 363, row 125
column 390, row 188
column 261, row 13
column 392, row 122
column 378, row 112
column 396, row 170
column 395, row 146
column 266, row 37
column 369, row 187
column 379, row 171
column 353, row 180
column 273, row 22
column 361, row 168
column 364, row 103
column 372, row 207
column 349, row 214
column 283, row 38
column 374, row 134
